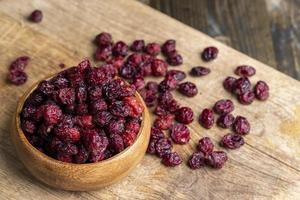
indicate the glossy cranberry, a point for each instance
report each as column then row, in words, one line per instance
column 184, row 115
column 174, row 59
column 168, row 46
column 36, row 16
column 206, row 118
column 137, row 45
column 197, row 160
column 223, row 106
column 261, row 90
column 217, row 159
column 171, row 159
column 163, row 146
column 17, row 77
column 180, row 134
column 241, row 85
column 199, row 71
column 120, row 49
column 159, row 67
column 225, row 120
column 246, row 98
column 205, row 145
column 209, row 53
column 188, row 89
column 103, row 39
column 19, row 64
column 103, row 53
column 232, row 141
column 245, row 70
column 152, row 49
column 164, row 122
column 228, row 83
column 176, row 74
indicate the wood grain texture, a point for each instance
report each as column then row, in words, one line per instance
column 266, row 30
column 267, row 167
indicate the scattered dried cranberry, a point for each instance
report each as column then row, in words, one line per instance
column 17, row 77
column 241, row 85
column 180, row 134
column 164, row 122
column 197, row 160
column 209, row 53
column 228, row 83
column 225, row 120
column 261, row 90
column 188, row 89
column 103, row 53
column 159, row 67
column 152, row 49
column 167, row 84
column 241, row 125
column 172, row 159
column 137, row 45
column 205, row 145
column 223, row 106
column 168, row 47
column 163, row 146
column 120, row 49
column 103, row 39
column 232, row 141
column 206, row 118
column 184, row 115
column 36, row 16
column 246, row 98
column 19, row 64
column 176, row 75
column 217, row 159
column 199, row 71
column 245, row 70
column 174, row 59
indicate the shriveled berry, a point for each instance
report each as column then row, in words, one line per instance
column 174, row 59
column 103, row 53
column 225, row 120
column 245, row 70
column 81, row 156
column 188, row 89
column 137, row 45
column 232, row 141
column 156, row 133
column 152, row 49
column 36, row 16
column 134, row 105
column 127, row 71
column 94, row 93
column 159, row 67
column 241, row 125
column 184, row 115
column 171, row 159
column 228, row 83
column 176, row 74
column 102, row 118
column 197, row 160
column 116, row 126
column 149, row 97
column 223, row 106
column 29, row 112
column 17, row 77
column 160, row 110
column 68, row 134
column 98, row 105
column 261, row 90
column 206, row 118
column 19, row 64
column 241, row 85
column 117, row 142
column 209, row 53
column 51, row 113
column 217, row 159
column 103, row 38
column 94, row 142
column 163, row 146
column 66, row 96
column 167, row 84
column 151, row 85
column 151, row 146
column 128, row 137
column 199, row 71
column 109, row 70
column 116, row 61
column 180, row 134
column 246, row 98
column 29, row 126
column 139, row 83
column 120, row 49
column 205, row 145
column 164, row 122
column 168, row 46
column 64, row 158
column 84, row 121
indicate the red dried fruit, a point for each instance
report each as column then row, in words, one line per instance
column 245, row 70
column 163, row 146
column 51, row 113
column 174, row 59
column 217, row 159
column 246, row 98
column 241, row 85
column 99, row 105
column 36, row 16
column 153, row 86
column 160, row 111
column 159, row 67
column 64, row 158
column 116, row 126
column 66, row 96
column 103, row 39
column 180, row 134
column 149, row 97
column 197, row 160
column 171, row 159
column 128, row 138
column 199, row 71
column 232, row 141
column 205, row 145
column 120, row 49
column 151, row 146
column 228, row 83
column 109, row 70
column 167, row 84
column 225, row 120
column 117, row 61
column 152, row 49
column 117, row 142
column 68, row 134
column 209, row 53
column 206, row 118
column 135, row 106
column 127, row 71
column 28, row 127
column 188, row 89
column 102, row 118
column 168, row 46
column 241, row 125
column 176, row 75
column 103, row 53
column 184, row 115
column 164, row 122
column 139, row 83
column 84, row 121
column 94, row 142
column 261, row 90
column 82, row 155
column 156, row 133
column 137, row 45
column 223, row 106
column 19, row 64
column 17, row 77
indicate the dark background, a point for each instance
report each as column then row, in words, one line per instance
column 267, row 30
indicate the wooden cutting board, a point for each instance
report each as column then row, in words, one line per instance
column 266, row 167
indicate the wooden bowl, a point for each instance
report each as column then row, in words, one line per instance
column 79, row 177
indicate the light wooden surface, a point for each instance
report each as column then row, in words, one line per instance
column 266, row 167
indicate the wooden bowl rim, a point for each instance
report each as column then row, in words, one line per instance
column 50, row 160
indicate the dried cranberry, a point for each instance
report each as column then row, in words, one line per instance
column 197, row 160
column 164, row 122
column 223, row 106
column 99, row 105
column 174, row 59
column 127, row 71
column 50, row 113
column 180, row 134
column 120, row 49
column 163, row 146
column 205, row 145
column 60, row 82
column 119, row 109
column 139, row 83
column 245, row 70
column 172, row 159
column 241, row 125
column 152, row 49
column 184, row 115
column 228, row 83
column 206, row 118
column 151, row 146
column 159, row 67
column 241, row 85
column 103, row 53
column 156, row 133
column 68, row 134
column 137, row 45
column 149, row 97
column 128, row 137
column 64, row 158
column 246, row 98
column 232, row 141
column 94, row 93
column 84, row 121
column 94, row 142
column 103, row 39
column 17, row 77
column 168, row 46
column 19, row 64
column 109, row 70
column 199, row 71
column 28, row 112
column 117, row 61
column 160, row 110
column 188, row 89
column 176, row 74
column 28, row 126
column 153, row 86
column 261, row 90
column 96, row 77
column 102, row 118
column 117, row 142
column 66, row 96
column 209, row 53
column 225, row 120
column 167, row 84
column 217, row 159
column 81, row 156
column 135, row 106
column 116, row 126
column 36, row 16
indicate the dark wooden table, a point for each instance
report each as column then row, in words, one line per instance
column 268, row 30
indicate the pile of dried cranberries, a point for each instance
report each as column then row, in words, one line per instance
column 82, row 115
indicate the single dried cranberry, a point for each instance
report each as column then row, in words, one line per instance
column 205, row 145
column 174, row 59
column 94, row 142
column 206, row 118
column 84, row 66
column 225, row 120
column 261, row 90
column 165, row 98
column 197, row 160
column 120, row 49
column 209, row 53
column 139, row 83
column 117, row 61
column 102, row 118
column 164, row 122
column 168, row 46
column 241, row 85
column 180, row 134
column 156, row 133
column 241, row 125
column 99, row 105
column 46, row 87
column 151, row 146
column 120, row 109
column 97, row 156
column 67, row 149
column 246, row 98
column 128, row 137
column 188, row 89
column 19, row 64
column 29, row 112
column 51, row 113
column 171, row 159
column 96, row 77
column 151, row 85
column 223, row 106
column 228, row 83
column 127, row 71
column 163, row 146
column 232, row 141
column 184, row 115
column 152, row 49
column 199, row 71
column 94, row 93
column 103, row 53
column 217, row 159
column 160, row 110
column 167, row 84
column 103, row 39
column 109, row 70
column 36, row 16
column 135, row 106
column 133, row 124
column 245, row 70
column 60, row 82
column 17, row 77
column 84, row 121
column 134, row 59
column 176, row 74
column 149, row 97
column 81, row 156
column 66, row 96
column 137, row 45
column 117, row 142
column 159, row 67
column 28, row 126
column 68, row 134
